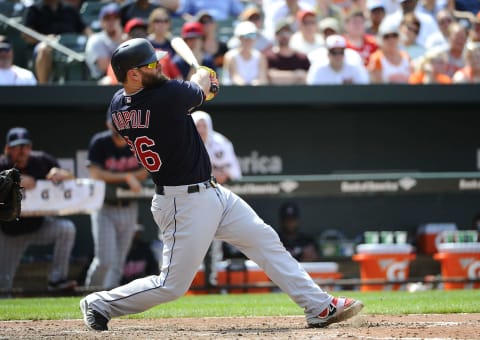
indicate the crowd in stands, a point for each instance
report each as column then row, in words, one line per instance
column 259, row 42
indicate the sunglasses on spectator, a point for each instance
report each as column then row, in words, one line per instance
column 254, row 17
column 445, row 21
column 250, row 36
column 111, row 17
column 412, row 29
column 310, row 22
column 152, row 65
column 161, row 20
column 5, row 49
column 336, row 51
column 206, row 21
column 390, row 35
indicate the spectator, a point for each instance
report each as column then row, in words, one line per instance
column 284, row 11
column 352, row 57
column 254, row 15
column 302, row 247
column 113, row 226
column 307, row 38
column 409, row 29
column 18, row 235
column 328, row 9
column 350, row 6
column 193, row 34
column 475, row 30
column 438, row 38
column 140, row 260
column 376, row 14
column 212, row 45
column 101, row 45
column 428, row 25
column 365, row 44
column 220, row 10
column 432, row 69
column 225, row 165
column 328, row 27
column 11, row 74
column 470, row 73
column 285, row 65
column 337, row 70
column 244, row 65
column 389, row 64
column 136, row 28
column 159, row 29
column 431, row 7
column 136, row 9
column 457, row 38
column 52, row 18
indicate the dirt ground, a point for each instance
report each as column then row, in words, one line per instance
column 431, row 326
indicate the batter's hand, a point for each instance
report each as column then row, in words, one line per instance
column 214, row 83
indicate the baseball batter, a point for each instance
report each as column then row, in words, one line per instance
column 190, row 208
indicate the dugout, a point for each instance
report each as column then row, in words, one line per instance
column 301, row 131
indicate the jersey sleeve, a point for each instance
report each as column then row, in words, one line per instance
column 187, row 94
column 50, row 161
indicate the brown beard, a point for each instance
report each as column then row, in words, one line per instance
column 152, row 80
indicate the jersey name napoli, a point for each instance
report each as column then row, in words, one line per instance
column 157, row 126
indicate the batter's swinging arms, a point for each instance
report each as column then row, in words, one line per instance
column 190, row 208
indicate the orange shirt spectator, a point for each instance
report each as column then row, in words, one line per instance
column 389, row 64
column 432, row 69
column 419, row 77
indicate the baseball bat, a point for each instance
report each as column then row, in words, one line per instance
column 182, row 49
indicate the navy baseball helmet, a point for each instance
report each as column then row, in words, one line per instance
column 133, row 53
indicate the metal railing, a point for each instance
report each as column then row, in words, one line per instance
column 72, row 55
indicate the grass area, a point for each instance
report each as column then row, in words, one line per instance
column 398, row 302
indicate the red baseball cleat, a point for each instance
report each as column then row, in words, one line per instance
column 340, row 309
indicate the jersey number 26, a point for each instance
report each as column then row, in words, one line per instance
column 140, row 147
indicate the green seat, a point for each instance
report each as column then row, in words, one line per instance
column 65, row 68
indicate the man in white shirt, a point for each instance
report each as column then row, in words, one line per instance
column 101, row 45
column 427, row 23
column 336, row 71
column 225, row 165
column 11, row 74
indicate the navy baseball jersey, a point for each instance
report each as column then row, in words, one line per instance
column 103, row 153
column 177, row 156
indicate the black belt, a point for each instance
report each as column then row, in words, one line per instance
column 211, row 183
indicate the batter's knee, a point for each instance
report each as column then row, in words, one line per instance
column 170, row 292
column 176, row 293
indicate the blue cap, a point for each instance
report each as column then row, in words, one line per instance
column 18, row 136
column 111, row 8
